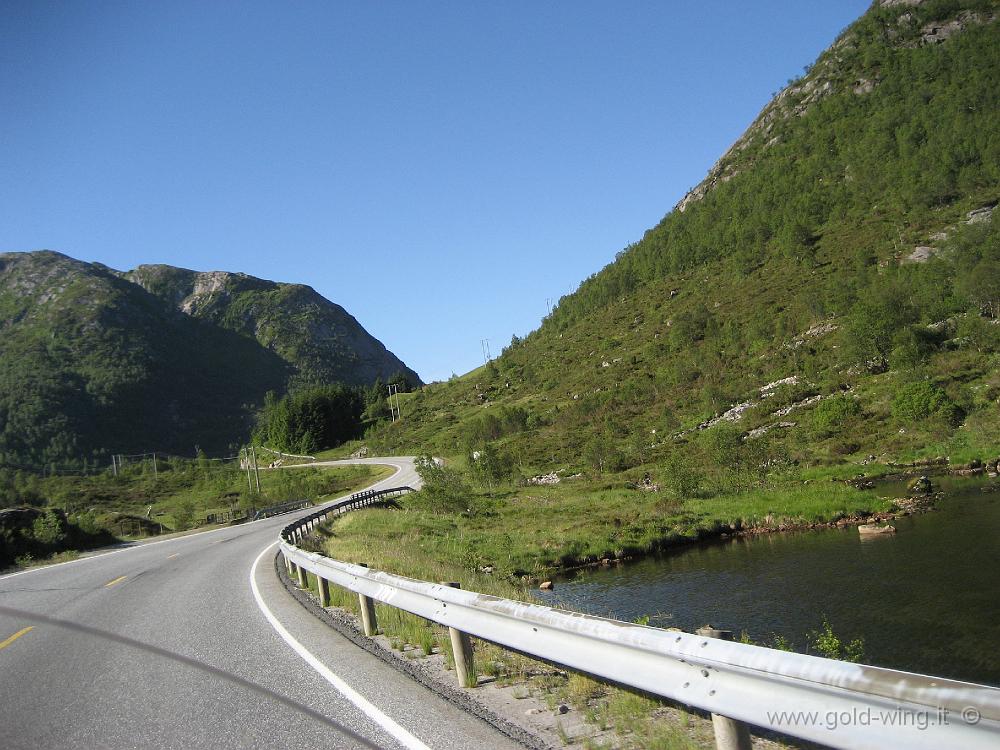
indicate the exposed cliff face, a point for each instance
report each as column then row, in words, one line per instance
column 94, row 361
column 318, row 338
column 894, row 23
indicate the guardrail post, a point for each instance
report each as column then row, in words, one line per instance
column 324, row 591
column 730, row 734
column 461, row 648
column 303, row 580
column 368, row 620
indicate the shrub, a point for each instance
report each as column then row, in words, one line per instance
column 921, row 400
column 911, row 348
column 831, row 414
column 493, row 466
column 184, row 515
column 681, row 474
column 829, row 645
column 49, row 529
column 445, row 489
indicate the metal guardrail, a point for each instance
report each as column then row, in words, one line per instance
column 285, row 455
column 277, row 510
column 835, row 703
column 302, row 526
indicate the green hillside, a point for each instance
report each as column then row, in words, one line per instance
column 829, row 293
column 320, row 340
column 93, row 364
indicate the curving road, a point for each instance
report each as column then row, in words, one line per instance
column 207, row 649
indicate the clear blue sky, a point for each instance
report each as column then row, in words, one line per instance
column 438, row 168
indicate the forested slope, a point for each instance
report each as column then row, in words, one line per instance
column 830, row 292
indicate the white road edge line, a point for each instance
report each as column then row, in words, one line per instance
column 370, row 710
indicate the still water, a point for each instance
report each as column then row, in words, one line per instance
column 926, row 599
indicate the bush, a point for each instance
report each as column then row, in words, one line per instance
column 681, row 474
column 445, row 489
column 739, row 463
column 831, row 414
column 601, row 454
column 493, row 466
column 829, row 645
column 921, row 400
column 911, row 348
column 184, row 515
column 49, row 529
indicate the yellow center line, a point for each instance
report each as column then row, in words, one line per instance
column 18, row 634
column 117, row 580
column 173, row 555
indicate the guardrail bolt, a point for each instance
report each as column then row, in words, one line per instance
column 368, row 619
column 461, row 648
column 730, row 734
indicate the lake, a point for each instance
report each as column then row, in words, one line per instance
column 926, row 599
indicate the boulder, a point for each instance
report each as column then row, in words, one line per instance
column 871, row 529
column 552, row 478
column 18, row 518
column 921, row 486
column 546, row 586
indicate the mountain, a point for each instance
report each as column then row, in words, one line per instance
column 319, row 339
column 829, row 292
column 91, row 363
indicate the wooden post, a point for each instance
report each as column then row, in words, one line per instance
column 730, row 734
column 246, row 460
column 461, row 648
column 324, row 591
column 256, row 473
column 303, row 579
column 368, row 619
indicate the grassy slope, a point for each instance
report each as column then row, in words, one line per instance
column 716, row 302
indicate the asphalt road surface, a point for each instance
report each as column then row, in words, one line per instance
column 194, row 642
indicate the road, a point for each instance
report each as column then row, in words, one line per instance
column 208, row 650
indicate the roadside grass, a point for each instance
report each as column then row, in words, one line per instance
column 536, row 531
column 183, row 497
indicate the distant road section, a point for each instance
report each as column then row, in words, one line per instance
column 193, row 597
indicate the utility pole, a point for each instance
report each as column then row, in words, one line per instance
column 114, row 465
column 486, row 350
column 246, row 462
column 548, row 304
column 155, row 473
column 256, row 473
column 394, row 407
